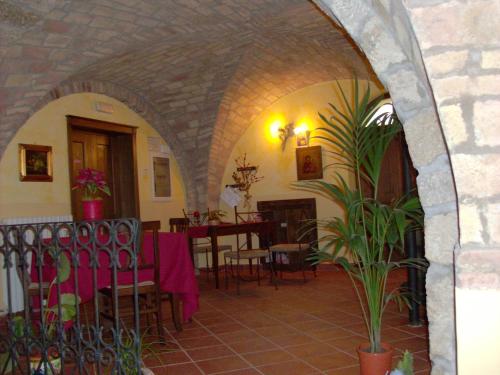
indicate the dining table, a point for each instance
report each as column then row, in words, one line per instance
column 265, row 229
column 176, row 272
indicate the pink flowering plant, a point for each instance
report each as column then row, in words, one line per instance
column 92, row 183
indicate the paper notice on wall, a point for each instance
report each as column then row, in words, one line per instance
column 230, row 196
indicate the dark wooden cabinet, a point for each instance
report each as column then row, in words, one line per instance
column 291, row 216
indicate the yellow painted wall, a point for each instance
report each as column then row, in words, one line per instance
column 277, row 167
column 48, row 127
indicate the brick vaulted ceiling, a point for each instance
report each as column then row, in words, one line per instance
column 198, row 70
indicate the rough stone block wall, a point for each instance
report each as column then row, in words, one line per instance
column 384, row 32
column 460, row 44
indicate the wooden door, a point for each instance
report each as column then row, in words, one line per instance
column 291, row 216
column 390, row 185
column 91, row 150
column 110, row 148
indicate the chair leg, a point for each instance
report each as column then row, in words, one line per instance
column 148, row 306
column 238, row 276
column 271, row 273
column 258, row 272
column 206, row 260
column 159, row 318
column 226, row 282
column 175, row 309
column 303, row 266
column 273, row 259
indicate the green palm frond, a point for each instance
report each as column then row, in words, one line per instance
column 364, row 239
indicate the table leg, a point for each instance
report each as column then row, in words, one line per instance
column 249, row 246
column 191, row 247
column 215, row 258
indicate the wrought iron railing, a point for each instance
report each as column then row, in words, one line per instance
column 58, row 326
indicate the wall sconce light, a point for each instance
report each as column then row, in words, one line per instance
column 302, row 133
column 284, row 133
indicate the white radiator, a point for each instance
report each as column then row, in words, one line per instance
column 16, row 286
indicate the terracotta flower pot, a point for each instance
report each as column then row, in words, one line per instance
column 93, row 210
column 375, row 363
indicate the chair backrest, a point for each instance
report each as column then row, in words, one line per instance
column 251, row 216
column 196, row 217
column 179, row 224
column 152, row 227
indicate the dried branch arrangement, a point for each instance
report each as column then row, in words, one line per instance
column 245, row 176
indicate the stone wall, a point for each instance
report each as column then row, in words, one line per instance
column 460, row 44
column 384, row 33
column 440, row 61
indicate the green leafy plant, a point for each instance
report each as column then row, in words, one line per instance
column 68, row 301
column 363, row 242
column 52, row 315
column 405, row 365
column 146, row 348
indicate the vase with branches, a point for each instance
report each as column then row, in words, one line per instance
column 366, row 238
column 245, row 176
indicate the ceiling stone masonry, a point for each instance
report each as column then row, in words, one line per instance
column 198, row 70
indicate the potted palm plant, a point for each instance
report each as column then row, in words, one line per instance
column 364, row 241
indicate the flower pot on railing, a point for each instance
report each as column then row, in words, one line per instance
column 92, row 185
column 214, row 222
column 93, row 209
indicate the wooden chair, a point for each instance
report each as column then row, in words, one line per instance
column 203, row 246
column 33, row 289
column 179, row 224
column 150, row 295
column 291, row 257
column 243, row 252
column 251, row 216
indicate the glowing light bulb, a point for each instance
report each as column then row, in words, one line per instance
column 275, row 128
column 301, row 128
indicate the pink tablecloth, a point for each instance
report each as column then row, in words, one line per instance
column 176, row 272
column 198, row 231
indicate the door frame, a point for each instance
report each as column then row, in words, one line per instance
column 105, row 127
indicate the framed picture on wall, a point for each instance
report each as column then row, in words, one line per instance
column 162, row 187
column 35, row 162
column 309, row 163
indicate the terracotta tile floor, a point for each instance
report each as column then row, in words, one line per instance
column 310, row 328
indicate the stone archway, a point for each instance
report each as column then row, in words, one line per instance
column 385, row 35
